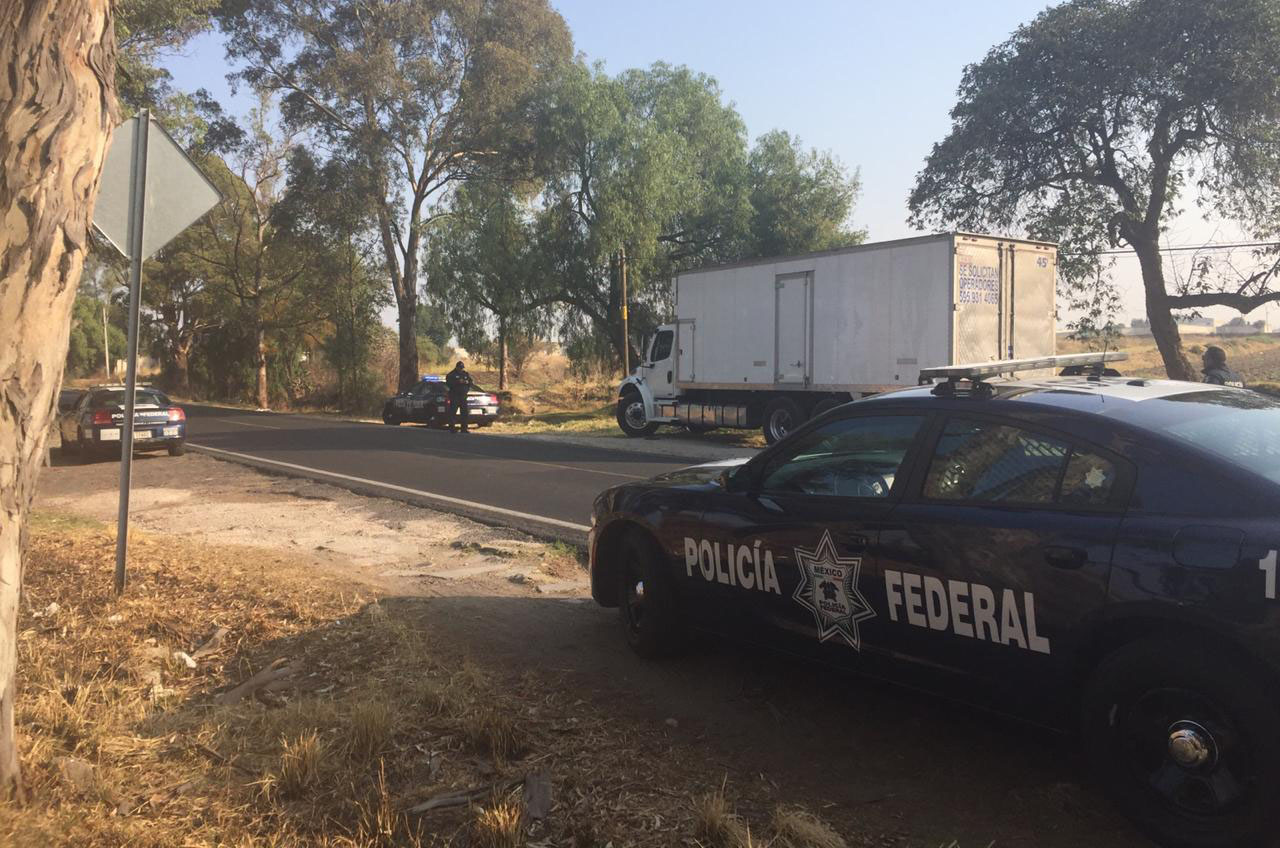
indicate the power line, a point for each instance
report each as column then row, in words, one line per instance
column 1210, row 247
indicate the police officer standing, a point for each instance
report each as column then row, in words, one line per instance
column 1216, row 371
column 459, row 384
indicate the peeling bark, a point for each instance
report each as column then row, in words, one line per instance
column 57, row 110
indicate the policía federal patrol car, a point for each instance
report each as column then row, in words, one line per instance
column 1095, row 553
column 91, row 424
column 428, row 402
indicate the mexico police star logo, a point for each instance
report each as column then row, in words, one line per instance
column 829, row 589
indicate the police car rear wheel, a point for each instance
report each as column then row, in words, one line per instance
column 389, row 417
column 1186, row 741
column 647, row 605
column 781, row 416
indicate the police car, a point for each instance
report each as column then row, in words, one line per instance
column 429, row 403
column 92, row 423
column 1094, row 553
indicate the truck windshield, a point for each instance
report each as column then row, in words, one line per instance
column 1242, row 427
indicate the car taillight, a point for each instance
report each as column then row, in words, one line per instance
column 101, row 417
column 176, row 414
column 493, row 399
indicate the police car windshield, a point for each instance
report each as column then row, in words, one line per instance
column 115, row 397
column 1242, row 427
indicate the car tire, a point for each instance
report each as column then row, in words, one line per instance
column 1184, row 738
column 177, row 448
column 631, row 416
column 647, row 604
column 781, row 416
column 389, row 416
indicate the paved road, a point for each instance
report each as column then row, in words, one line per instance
column 532, row 484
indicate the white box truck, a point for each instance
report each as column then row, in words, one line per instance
column 772, row 342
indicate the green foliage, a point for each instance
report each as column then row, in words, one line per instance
column 145, row 31
column 655, row 162
column 801, row 200
column 410, row 94
column 1092, row 122
column 481, row 272
column 433, row 325
column 84, row 354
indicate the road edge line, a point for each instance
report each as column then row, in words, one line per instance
column 535, row 525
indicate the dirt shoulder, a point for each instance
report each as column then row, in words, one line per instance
column 413, row 681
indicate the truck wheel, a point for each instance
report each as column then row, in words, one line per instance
column 781, row 416
column 1185, row 739
column 648, row 607
column 389, row 416
column 632, row 418
column 177, row 448
column 827, row 405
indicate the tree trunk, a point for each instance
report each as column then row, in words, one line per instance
column 262, row 398
column 408, row 306
column 182, row 368
column 1163, row 328
column 57, row 110
column 502, row 353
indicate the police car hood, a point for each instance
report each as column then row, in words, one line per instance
column 708, row 472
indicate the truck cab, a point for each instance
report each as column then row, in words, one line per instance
column 652, row 381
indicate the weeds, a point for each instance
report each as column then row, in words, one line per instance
column 301, row 760
column 371, row 728
column 498, row 825
column 494, row 732
column 797, row 828
column 717, row 826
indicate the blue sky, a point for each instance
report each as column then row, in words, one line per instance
column 871, row 81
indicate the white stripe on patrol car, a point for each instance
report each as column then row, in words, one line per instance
column 446, row 499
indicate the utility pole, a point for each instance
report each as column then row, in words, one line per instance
column 626, row 346
column 106, row 345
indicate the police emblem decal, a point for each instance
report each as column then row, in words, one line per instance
column 829, row 589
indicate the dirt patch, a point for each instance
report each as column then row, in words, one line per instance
column 395, row 546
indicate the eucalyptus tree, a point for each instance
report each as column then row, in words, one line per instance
column 418, row 94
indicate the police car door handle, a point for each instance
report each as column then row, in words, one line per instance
column 1062, row 556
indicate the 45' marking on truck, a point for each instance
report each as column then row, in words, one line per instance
column 1268, row 566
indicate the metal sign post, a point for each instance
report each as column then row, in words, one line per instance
column 149, row 192
column 137, row 212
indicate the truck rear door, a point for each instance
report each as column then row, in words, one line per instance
column 792, row 323
column 1032, row 272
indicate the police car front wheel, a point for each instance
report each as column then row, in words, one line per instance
column 1187, row 741
column 648, row 606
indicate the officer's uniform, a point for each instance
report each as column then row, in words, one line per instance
column 1221, row 375
column 1216, row 371
column 459, row 384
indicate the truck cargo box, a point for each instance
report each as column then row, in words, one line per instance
column 865, row 318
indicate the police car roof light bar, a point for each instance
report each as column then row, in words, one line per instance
column 979, row 371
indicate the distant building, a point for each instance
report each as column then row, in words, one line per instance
column 1186, row 326
column 1239, row 327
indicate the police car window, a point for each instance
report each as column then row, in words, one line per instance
column 1241, row 427
column 1088, row 480
column 661, row 346
column 978, row 461
column 850, row 457
column 116, row 397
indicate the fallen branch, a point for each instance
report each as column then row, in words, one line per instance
column 213, row 643
column 465, row 796
column 276, row 671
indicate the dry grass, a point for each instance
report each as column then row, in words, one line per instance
column 716, row 825
column 122, row 745
column 494, row 732
column 499, row 824
column 794, row 827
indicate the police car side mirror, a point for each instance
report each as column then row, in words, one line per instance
column 734, row 479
